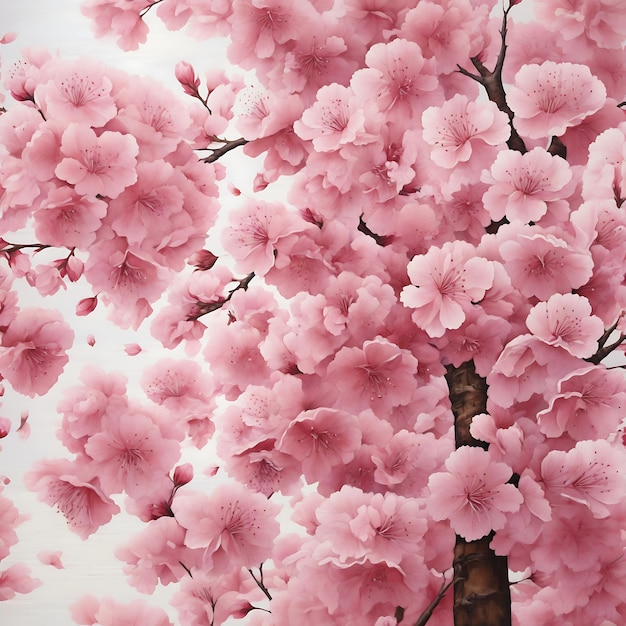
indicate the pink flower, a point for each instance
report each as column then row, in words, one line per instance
column 255, row 233
column 590, row 474
column 80, row 499
column 379, row 375
column 335, row 119
column 446, row 281
column 33, row 350
column 130, row 453
column 235, row 526
column 541, row 264
column 461, row 130
column 473, row 494
column 589, row 404
column 565, row 320
column 398, row 76
column 103, row 165
column 80, row 92
column 68, row 219
column 524, row 186
column 321, row 438
column 550, row 98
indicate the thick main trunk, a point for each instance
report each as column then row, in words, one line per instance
column 481, row 582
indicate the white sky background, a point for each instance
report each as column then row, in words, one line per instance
column 90, row 566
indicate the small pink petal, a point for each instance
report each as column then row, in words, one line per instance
column 8, row 37
column 91, row 340
column 51, row 558
column 132, row 349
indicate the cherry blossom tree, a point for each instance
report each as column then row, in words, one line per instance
column 398, row 358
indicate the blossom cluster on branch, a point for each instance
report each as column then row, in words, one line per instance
column 439, row 213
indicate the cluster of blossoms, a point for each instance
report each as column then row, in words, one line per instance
column 425, row 231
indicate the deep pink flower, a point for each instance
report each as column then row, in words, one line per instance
column 473, row 494
column 95, row 165
column 235, row 526
column 33, row 350
column 550, row 98
column 445, row 283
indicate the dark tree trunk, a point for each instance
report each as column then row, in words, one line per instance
column 482, row 595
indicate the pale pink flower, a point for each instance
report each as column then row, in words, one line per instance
column 78, row 91
column 589, row 404
column 255, row 233
column 122, row 19
column 48, row 557
column 565, row 320
column 68, row 219
column 550, row 98
column 379, row 375
column 445, row 283
column 235, row 526
column 131, row 453
column 461, row 131
column 33, row 350
column 89, row 611
column 103, row 165
column 398, row 77
column 590, row 474
column 78, row 498
column 16, row 579
column 335, row 119
column 321, row 438
column 473, row 494
column 541, row 264
column 523, row 187
column 10, row 518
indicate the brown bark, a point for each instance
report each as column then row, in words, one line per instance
column 481, row 581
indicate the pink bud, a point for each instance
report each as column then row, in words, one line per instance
column 203, row 260
column 91, row 340
column 74, row 268
column 183, row 474
column 86, row 306
column 186, row 76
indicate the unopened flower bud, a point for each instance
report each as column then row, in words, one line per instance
column 187, row 78
column 183, row 474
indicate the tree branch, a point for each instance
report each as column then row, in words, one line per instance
column 217, row 153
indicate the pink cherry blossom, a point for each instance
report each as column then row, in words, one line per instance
column 565, row 320
column 461, row 130
column 590, row 473
column 320, row 439
column 125, row 21
column 95, row 165
column 551, row 97
column 78, row 498
column 234, row 526
column 473, row 494
column 445, row 283
column 78, row 91
column 33, row 350
column 379, row 375
column 588, row 404
column 336, row 119
column 51, row 558
column 541, row 265
column 523, row 187
column 131, row 453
